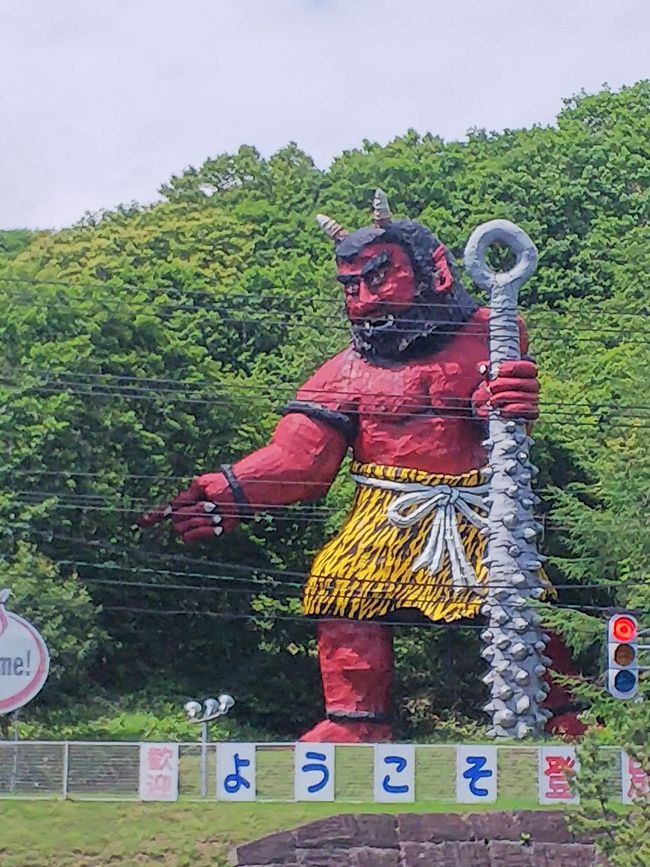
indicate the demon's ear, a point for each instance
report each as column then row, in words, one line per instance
column 442, row 279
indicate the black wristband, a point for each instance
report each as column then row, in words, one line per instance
column 244, row 509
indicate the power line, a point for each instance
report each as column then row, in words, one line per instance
column 283, row 296
column 256, row 617
column 277, row 574
column 371, row 597
column 554, row 417
column 146, row 385
column 299, row 511
column 337, row 324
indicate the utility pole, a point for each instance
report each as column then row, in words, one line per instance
column 514, row 642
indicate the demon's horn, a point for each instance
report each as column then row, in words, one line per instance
column 381, row 214
column 331, row 227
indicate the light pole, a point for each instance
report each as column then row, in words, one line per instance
column 202, row 715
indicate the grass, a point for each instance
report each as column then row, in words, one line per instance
column 78, row 833
column 96, row 834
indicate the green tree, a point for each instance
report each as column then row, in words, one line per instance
column 148, row 344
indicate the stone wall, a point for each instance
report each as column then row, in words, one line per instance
column 525, row 839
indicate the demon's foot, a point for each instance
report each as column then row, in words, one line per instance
column 566, row 724
column 348, row 732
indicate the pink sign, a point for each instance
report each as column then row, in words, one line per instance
column 635, row 780
column 557, row 767
column 24, row 659
column 158, row 772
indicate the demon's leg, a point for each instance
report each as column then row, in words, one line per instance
column 356, row 663
column 565, row 719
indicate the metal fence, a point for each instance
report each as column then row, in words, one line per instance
column 110, row 771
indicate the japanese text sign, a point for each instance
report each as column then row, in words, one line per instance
column 476, row 774
column 314, row 772
column 394, row 775
column 236, row 772
column 158, row 772
column 557, row 767
column 635, row 782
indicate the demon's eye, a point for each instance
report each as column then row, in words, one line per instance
column 352, row 287
column 377, row 277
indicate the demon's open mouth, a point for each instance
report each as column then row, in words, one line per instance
column 373, row 325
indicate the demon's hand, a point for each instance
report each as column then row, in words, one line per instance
column 195, row 513
column 514, row 392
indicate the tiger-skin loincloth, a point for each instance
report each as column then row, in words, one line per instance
column 411, row 541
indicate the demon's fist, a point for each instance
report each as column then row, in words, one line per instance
column 514, row 392
column 194, row 513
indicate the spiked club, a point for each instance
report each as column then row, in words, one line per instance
column 514, row 642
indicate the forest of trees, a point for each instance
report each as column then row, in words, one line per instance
column 145, row 345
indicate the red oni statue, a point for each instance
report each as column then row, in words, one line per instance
column 408, row 397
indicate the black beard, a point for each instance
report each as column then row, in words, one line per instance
column 421, row 330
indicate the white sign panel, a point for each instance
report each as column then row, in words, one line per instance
column 394, row 773
column 634, row 780
column 314, row 772
column 557, row 767
column 476, row 774
column 236, row 772
column 24, row 660
column 158, row 772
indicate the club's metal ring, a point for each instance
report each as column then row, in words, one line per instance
column 499, row 232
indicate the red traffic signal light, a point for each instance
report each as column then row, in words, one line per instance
column 622, row 662
column 622, row 628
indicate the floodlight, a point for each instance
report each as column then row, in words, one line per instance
column 210, row 707
column 192, row 709
column 226, row 702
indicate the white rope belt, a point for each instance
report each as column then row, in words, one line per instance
column 417, row 502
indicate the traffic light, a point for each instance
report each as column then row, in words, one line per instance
column 622, row 656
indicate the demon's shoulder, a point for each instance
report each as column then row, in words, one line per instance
column 329, row 395
column 332, row 378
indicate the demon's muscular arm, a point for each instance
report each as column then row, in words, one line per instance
column 298, row 465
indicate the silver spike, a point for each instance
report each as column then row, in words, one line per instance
column 505, row 717
column 331, row 227
column 519, row 651
column 381, row 214
column 523, row 730
column 522, row 704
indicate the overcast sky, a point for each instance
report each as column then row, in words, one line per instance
column 102, row 100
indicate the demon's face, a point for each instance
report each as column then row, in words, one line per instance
column 401, row 295
column 379, row 285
